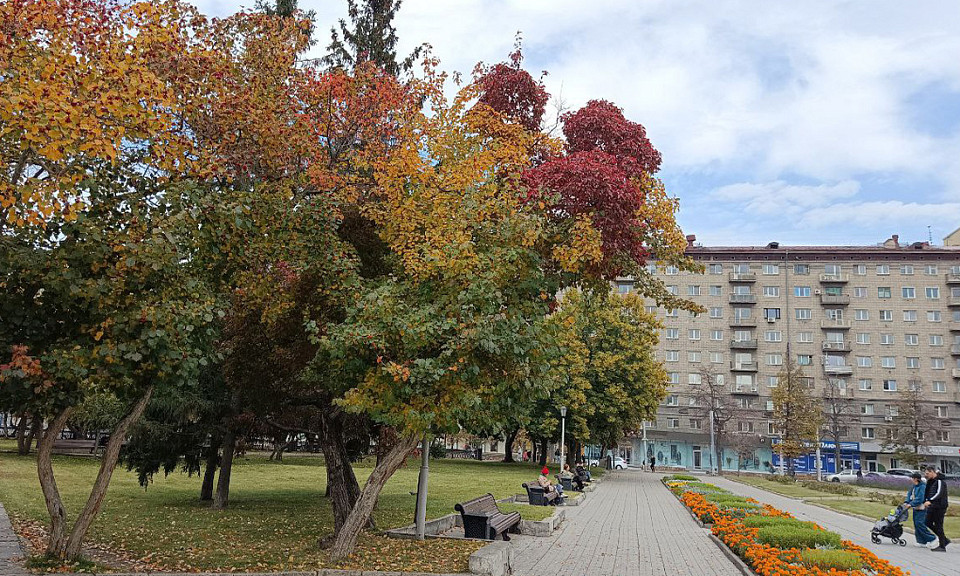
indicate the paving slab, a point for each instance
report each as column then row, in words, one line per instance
column 919, row 561
column 631, row 525
column 10, row 552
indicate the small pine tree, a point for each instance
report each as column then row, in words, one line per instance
column 369, row 37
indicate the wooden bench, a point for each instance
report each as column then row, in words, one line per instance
column 567, row 483
column 538, row 497
column 483, row 519
column 79, row 447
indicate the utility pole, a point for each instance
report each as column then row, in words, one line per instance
column 563, row 436
column 713, row 445
column 421, row 519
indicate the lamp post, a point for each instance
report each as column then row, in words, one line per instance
column 563, row 435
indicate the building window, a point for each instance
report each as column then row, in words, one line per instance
column 716, row 335
column 932, row 292
column 716, row 312
column 906, row 269
column 672, row 288
column 694, row 379
column 913, row 362
column 804, row 359
column 715, row 268
column 671, row 270
column 770, row 269
column 866, row 384
column 801, row 291
column 889, row 385
column 804, row 314
column 672, row 400
column 883, row 292
column 863, row 338
column 886, row 339
column 832, row 269
column 745, row 426
column 693, row 357
column 908, row 292
column 771, row 313
column 693, row 290
column 716, row 357
column 930, row 270
column 886, row 315
column 888, row 361
column 801, row 269
column 860, row 292
column 943, row 435
column 673, row 422
column 909, row 315
column 860, row 269
column 805, row 337
column 650, row 309
column 936, row 339
column 673, row 377
column 911, row 339
column 867, row 433
column 672, row 334
column 774, row 360
column 942, row 411
column 939, row 386
column 771, row 291
column 861, row 314
column 935, row 363
column 915, row 385
column 867, row 409
column 864, row 361
column 696, row 424
column 694, row 334
column 773, row 336
column 716, row 290
column 933, row 316
column 624, row 287
column 671, row 356
column 672, row 313
column 772, row 381
column 883, row 269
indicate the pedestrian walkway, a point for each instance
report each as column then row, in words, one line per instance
column 10, row 552
column 918, row 561
column 630, row 525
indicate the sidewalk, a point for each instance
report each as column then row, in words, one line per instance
column 9, row 548
column 630, row 525
column 918, row 561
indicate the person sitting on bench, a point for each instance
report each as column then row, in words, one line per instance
column 574, row 479
column 583, row 473
column 548, row 487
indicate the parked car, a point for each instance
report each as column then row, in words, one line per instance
column 844, row 476
column 618, row 463
column 901, row 472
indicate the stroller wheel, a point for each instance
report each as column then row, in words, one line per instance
column 874, row 539
column 902, row 542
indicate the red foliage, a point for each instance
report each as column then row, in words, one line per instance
column 592, row 184
column 512, row 91
column 600, row 125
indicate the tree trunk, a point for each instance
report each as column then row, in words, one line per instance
column 57, row 538
column 35, row 427
column 346, row 540
column 108, row 462
column 543, row 452
column 22, row 447
column 836, row 454
column 508, row 445
column 210, row 472
column 343, row 490
column 226, row 467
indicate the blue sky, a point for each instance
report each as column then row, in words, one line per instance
column 814, row 122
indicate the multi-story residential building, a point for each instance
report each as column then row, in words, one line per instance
column 869, row 321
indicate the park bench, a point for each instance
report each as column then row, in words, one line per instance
column 78, row 447
column 483, row 519
column 537, row 496
column 567, row 483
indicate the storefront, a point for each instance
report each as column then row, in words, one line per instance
column 807, row 464
column 693, row 453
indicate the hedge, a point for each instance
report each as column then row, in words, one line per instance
column 785, row 537
column 831, row 559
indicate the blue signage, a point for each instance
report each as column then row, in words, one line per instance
column 849, row 457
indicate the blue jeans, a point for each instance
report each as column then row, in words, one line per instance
column 921, row 532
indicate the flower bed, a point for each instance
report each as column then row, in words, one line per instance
column 752, row 532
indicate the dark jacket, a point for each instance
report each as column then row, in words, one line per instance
column 936, row 492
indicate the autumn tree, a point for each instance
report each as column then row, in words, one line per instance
column 838, row 409
column 713, row 396
column 913, row 427
column 796, row 413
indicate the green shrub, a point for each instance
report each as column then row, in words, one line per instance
column 831, row 487
column 720, row 498
column 784, row 537
column 891, row 499
column 683, row 477
column 842, row 560
column 762, row 521
column 781, row 478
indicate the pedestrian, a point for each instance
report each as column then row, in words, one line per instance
column 935, row 503
column 653, row 464
column 544, row 481
column 575, row 479
column 915, row 498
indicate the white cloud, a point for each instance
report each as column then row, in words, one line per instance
column 893, row 214
column 781, row 198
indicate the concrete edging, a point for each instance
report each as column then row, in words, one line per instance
column 732, row 557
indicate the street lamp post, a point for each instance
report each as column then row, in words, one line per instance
column 563, row 435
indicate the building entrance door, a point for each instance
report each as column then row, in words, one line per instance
column 697, row 458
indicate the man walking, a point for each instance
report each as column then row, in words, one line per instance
column 935, row 503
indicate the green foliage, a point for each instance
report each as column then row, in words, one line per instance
column 796, row 413
column 682, row 477
column 842, row 560
column 763, row 521
column 369, row 36
column 830, row 487
column 787, row 536
column 781, row 478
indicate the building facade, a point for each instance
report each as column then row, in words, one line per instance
column 864, row 322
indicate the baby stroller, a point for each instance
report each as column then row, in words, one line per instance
column 891, row 525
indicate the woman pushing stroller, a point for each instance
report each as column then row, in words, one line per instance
column 915, row 498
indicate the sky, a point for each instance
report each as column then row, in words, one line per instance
column 814, row 122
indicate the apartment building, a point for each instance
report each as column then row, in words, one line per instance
column 869, row 320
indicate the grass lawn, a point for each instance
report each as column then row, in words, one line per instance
column 277, row 512
column 848, row 504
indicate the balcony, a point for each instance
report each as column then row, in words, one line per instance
column 838, row 370
column 953, row 300
column 743, row 277
column 835, row 299
column 747, row 390
column 743, row 366
column 743, row 298
column 743, row 322
column 834, row 278
column 836, row 347
column 953, row 278
column 743, row 344
column 955, row 349
column 954, row 325
column 835, row 324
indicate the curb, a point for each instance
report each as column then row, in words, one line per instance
column 736, row 560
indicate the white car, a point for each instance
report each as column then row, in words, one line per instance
column 618, row 463
column 844, row 476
